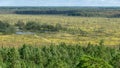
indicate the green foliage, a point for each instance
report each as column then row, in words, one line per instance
column 33, row 26
column 90, row 62
column 3, row 65
column 116, row 61
column 6, row 28
column 20, row 24
column 3, row 26
column 10, row 30
column 60, row 56
column 101, row 42
column 13, row 58
column 58, row 26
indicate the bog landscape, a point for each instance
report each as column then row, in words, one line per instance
column 59, row 37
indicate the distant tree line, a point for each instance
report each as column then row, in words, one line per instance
column 69, row 11
column 60, row 56
column 45, row 12
column 84, row 12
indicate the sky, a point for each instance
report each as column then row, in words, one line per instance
column 59, row 2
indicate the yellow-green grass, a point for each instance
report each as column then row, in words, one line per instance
column 109, row 30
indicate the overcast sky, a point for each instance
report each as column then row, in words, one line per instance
column 59, row 2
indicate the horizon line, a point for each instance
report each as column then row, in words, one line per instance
column 59, row 6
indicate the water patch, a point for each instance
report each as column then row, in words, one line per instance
column 24, row 33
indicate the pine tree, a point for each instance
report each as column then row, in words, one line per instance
column 90, row 62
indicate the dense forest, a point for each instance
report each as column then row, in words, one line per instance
column 69, row 11
column 61, row 56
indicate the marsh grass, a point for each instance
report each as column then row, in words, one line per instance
column 78, row 30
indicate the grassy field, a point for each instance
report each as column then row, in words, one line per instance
column 79, row 30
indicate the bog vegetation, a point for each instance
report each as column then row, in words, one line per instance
column 48, row 29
